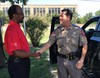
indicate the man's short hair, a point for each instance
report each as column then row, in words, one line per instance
column 68, row 12
column 12, row 10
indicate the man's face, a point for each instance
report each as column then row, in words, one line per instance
column 64, row 19
column 20, row 15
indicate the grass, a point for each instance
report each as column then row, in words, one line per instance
column 39, row 68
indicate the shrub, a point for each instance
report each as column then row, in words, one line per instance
column 35, row 28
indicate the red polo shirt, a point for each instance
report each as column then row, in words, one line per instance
column 15, row 39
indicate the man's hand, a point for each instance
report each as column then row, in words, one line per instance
column 37, row 55
column 39, row 52
column 79, row 64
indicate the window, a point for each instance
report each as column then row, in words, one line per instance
column 37, row 10
column 27, row 12
column 5, row 10
column 52, row 10
column 91, row 26
column 73, row 9
column 49, row 11
column 34, row 11
column 43, row 11
column 98, row 26
column 58, row 10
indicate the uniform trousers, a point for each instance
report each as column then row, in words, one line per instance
column 67, row 68
column 18, row 67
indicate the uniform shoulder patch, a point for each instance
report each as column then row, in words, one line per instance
column 78, row 27
column 52, row 34
column 82, row 32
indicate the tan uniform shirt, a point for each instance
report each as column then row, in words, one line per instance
column 68, row 40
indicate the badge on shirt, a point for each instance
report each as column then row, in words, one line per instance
column 53, row 34
column 83, row 34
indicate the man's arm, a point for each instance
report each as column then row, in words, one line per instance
column 23, row 54
column 80, row 63
column 44, row 48
column 84, row 51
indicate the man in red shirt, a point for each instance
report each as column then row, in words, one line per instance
column 17, row 46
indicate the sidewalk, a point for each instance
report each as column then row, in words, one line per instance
column 53, row 69
column 53, row 72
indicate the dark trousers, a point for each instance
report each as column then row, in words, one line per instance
column 18, row 67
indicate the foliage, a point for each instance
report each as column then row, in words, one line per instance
column 79, row 20
column 75, row 16
column 97, row 13
column 16, row 1
column 5, row 18
column 1, row 14
column 35, row 28
column 87, row 17
column 23, row 1
column 3, row 0
column 49, row 17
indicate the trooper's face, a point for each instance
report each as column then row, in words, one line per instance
column 64, row 19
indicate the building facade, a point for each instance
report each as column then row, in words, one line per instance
column 40, row 10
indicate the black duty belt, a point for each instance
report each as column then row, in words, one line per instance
column 70, row 56
column 17, row 59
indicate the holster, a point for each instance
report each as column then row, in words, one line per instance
column 70, row 56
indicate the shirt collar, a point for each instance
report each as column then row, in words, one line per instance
column 13, row 23
column 69, row 28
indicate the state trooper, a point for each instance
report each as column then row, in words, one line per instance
column 69, row 37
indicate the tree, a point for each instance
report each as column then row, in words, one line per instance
column 75, row 16
column 3, row 0
column 87, row 17
column 2, row 57
column 5, row 18
column 49, row 17
column 35, row 28
column 79, row 20
column 16, row 1
column 97, row 13
column 24, row 1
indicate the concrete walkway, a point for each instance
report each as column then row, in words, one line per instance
column 53, row 72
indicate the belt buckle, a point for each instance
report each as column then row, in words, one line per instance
column 71, row 56
column 16, row 60
column 67, row 56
